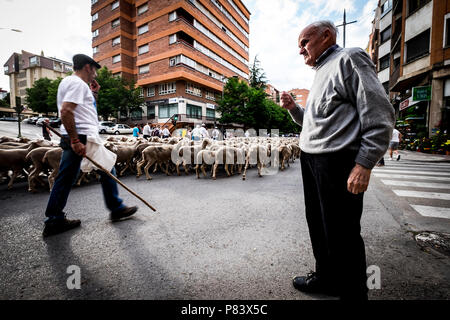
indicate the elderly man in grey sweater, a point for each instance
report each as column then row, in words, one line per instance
column 346, row 128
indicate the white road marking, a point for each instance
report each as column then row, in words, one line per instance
column 422, row 194
column 435, row 212
column 416, row 184
column 401, row 176
column 428, row 173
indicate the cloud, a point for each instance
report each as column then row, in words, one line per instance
column 275, row 26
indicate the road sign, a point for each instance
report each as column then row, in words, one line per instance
column 421, row 93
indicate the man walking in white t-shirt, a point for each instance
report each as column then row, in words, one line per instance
column 393, row 145
column 78, row 110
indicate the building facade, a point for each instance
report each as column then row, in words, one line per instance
column 411, row 48
column 179, row 52
column 273, row 94
column 300, row 96
column 25, row 68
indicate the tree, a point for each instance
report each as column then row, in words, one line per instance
column 116, row 94
column 232, row 105
column 37, row 96
column 53, row 94
column 5, row 101
column 257, row 77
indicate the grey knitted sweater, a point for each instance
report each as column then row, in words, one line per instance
column 347, row 108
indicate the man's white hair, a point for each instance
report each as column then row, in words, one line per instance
column 323, row 25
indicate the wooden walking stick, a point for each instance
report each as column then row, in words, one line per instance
column 105, row 171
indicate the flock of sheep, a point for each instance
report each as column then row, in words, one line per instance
column 39, row 159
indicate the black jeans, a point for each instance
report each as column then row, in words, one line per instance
column 333, row 215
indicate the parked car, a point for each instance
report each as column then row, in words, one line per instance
column 40, row 120
column 104, row 125
column 8, row 119
column 55, row 122
column 119, row 129
column 31, row 120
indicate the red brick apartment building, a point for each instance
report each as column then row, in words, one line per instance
column 301, row 95
column 180, row 52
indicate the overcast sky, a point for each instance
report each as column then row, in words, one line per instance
column 62, row 28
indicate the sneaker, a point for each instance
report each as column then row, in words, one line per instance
column 390, row 159
column 398, row 157
column 312, row 283
column 60, row 226
column 123, row 213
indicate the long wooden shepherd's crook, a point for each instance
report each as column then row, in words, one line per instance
column 106, row 171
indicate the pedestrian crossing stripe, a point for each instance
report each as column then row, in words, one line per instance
column 402, row 176
column 416, row 184
column 427, row 173
column 422, row 194
column 435, row 212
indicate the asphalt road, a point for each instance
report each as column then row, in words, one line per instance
column 223, row 239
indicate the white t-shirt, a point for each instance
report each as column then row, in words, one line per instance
column 74, row 89
column 395, row 135
column 166, row 132
column 147, row 131
column 204, row 132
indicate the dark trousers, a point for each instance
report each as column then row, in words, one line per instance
column 69, row 168
column 333, row 215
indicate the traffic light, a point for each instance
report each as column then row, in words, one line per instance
column 175, row 119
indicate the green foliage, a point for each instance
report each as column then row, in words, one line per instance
column 36, row 96
column 116, row 94
column 250, row 106
column 5, row 101
column 257, row 77
column 53, row 94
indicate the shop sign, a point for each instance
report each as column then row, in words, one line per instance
column 421, row 93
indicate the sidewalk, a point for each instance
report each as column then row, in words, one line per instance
column 420, row 156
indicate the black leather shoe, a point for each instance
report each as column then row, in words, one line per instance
column 124, row 213
column 312, row 283
column 60, row 226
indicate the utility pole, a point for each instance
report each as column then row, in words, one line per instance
column 344, row 24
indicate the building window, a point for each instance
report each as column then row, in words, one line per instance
column 418, row 46
column 94, row 2
column 172, row 16
column 210, row 95
column 210, row 114
column 95, row 17
column 95, row 49
column 116, row 59
column 143, row 29
column 116, row 41
column 193, row 89
column 386, row 87
column 447, row 30
column 115, row 23
column 144, row 69
column 193, row 111
column 117, row 75
column 6, row 69
column 385, row 34
column 168, row 110
column 115, row 5
column 384, row 62
column 33, row 60
column 143, row 49
column 142, row 9
column 386, row 6
column 172, row 38
column 151, row 91
column 414, row 5
column 151, row 112
column 136, row 115
column 167, row 88
column 95, row 33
